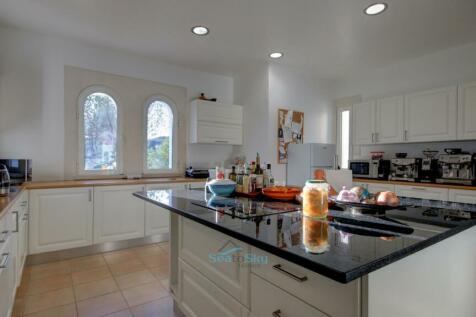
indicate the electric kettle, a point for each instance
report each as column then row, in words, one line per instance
column 4, row 181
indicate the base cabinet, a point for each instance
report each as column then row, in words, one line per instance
column 422, row 192
column 118, row 215
column 199, row 297
column 60, row 219
column 463, row 196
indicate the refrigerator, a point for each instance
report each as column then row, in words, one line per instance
column 304, row 159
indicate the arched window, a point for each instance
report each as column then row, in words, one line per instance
column 99, row 141
column 159, row 136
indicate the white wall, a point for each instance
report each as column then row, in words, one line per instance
column 32, row 93
column 446, row 67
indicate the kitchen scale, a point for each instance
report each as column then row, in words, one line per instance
column 246, row 208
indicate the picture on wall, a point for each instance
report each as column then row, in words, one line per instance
column 290, row 130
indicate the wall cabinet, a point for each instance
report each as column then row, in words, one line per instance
column 157, row 218
column 467, row 111
column 432, row 193
column 462, row 196
column 216, row 123
column 118, row 215
column 60, row 219
column 389, row 125
column 431, row 115
column 363, row 118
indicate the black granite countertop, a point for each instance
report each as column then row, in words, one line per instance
column 351, row 243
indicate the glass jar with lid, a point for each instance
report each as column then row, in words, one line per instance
column 314, row 199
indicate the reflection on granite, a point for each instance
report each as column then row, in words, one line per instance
column 343, row 246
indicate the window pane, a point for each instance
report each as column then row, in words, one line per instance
column 345, row 138
column 100, row 132
column 159, row 136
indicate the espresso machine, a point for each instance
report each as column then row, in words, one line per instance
column 405, row 169
column 457, row 168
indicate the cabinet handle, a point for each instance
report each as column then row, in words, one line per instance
column 24, row 203
column 5, row 258
column 419, row 188
column 25, row 216
column 376, row 137
column 277, row 313
column 405, row 134
column 16, row 221
column 221, row 141
column 90, row 195
column 279, row 267
column 4, row 236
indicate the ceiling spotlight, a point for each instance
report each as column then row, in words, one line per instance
column 276, row 55
column 200, row 30
column 375, row 8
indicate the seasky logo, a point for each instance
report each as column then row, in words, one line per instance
column 230, row 252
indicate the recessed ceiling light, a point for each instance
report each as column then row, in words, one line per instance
column 375, row 8
column 200, row 30
column 276, row 55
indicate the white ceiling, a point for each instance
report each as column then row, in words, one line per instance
column 331, row 37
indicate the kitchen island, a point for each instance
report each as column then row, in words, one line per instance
column 415, row 261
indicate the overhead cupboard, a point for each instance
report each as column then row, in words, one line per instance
column 441, row 114
column 216, row 123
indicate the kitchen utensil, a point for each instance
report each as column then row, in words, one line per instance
column 281, row 192
column 430, row 153
column 221, row 187
column 453, row 151
column 376, row 155
column 401, row 155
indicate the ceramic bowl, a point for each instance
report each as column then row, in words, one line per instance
column 223, row 187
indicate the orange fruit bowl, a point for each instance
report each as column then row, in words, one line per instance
column 281, row 192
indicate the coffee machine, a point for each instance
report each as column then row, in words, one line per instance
column 457, row 168
column 429, row 167
column 405, row 169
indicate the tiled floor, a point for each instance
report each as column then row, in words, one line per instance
column 126, row 283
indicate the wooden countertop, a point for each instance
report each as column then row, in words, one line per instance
column 7, row 201
column 110, row 182
column 449, row 186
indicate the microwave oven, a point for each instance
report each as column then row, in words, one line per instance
column 377, row 169
column 19, row 170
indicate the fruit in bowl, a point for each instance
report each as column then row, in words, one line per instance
column 387, row 198
column 221, row 187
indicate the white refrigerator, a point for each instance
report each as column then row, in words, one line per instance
column 304, row 159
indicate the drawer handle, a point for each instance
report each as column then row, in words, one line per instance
column 221, row 141
column 4, row 263
column 419, row 188
column 277, row 313
column 4, row 236
column 17, row 227
column 279, row 267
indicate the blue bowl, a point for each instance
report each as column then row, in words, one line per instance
column 221, row 189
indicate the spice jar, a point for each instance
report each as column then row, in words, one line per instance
column 314, row 199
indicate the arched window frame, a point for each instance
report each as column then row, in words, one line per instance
column 173, row 108
column 80, row 119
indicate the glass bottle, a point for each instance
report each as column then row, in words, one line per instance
column 314, row 199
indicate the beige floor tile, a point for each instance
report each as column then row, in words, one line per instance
column 129, row 266
column 102, row 305
column 48, row 300
column 152, row 249
column 91, row 275
column 144, row 293
column 117, row 257
column 61, row 311
column 122, row 313
column 87, row 263
column 160, row 272
column 47, row 284
column 94, row 289
column 163, row 307
column 151, row 261
column 47, row 270
column 135, row 279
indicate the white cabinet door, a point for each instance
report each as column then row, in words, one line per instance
column 389, row 125
column 157, row 218
column 363, row 118
column 431, row 115
column 7, row 276
column 377, row 187
column 219, row 133
column 467, row 111
column 199, row 297
column 421, row 192
column 463, row 196
column 60, row 219
column 118, row 215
